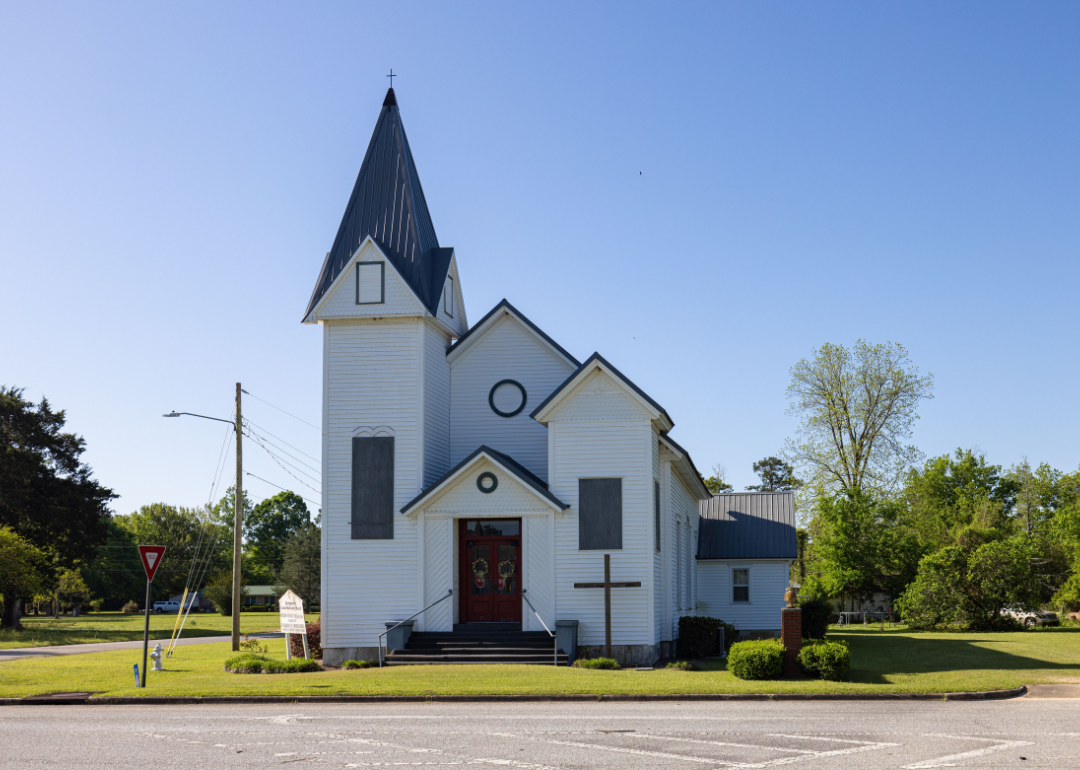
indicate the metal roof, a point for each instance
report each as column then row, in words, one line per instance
column 523, row 474
column 388, row 204
column 748, row 525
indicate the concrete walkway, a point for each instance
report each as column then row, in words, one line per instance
column 78, row 649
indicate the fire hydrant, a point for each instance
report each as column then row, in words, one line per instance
column 156, row 657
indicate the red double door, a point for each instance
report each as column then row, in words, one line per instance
column 490, row 570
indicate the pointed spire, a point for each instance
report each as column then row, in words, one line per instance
column 387, row 203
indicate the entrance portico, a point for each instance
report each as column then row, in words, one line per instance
column 487, row 532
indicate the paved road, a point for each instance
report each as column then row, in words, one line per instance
column 77, row 649
column 680, row 736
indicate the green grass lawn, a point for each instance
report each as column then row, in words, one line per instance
column 42, row 631
column 882, row 662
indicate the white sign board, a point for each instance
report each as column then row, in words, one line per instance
column 291, row 607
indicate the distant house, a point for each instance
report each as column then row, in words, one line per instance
column 746, row 544
column 262, row 596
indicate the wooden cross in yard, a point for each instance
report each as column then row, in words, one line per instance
column 607, row 585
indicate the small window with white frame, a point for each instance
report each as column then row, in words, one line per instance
column 740, row 585
column 370, row 283
column 448, row 296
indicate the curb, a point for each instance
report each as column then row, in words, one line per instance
column 606, row 698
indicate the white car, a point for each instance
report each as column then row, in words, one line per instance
column 1030, row 619
column 168, row 606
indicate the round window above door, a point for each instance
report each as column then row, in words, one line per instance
column 507, row 398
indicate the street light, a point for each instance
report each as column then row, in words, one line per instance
column 238, row 510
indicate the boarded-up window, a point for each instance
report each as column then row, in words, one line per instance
column 656, row 513
column 740, row 583
column 448, row 296
column 599, row 514
column 370, row 283
column 373, row 488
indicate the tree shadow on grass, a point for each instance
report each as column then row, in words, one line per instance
column 875, row 655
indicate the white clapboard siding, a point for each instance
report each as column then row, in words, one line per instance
column 436, row 403
column 372, row 373
column 686, row 510
column 538, row 571
column 340, row 300
column 599, row 397
column 462, row 496
column 506, row 351
column 438, row 573
column 657, row 557
column 604, row 449
column 458, row 322
column 768, row 581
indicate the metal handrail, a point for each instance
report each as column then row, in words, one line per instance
column 537, row 614
column 449, row 593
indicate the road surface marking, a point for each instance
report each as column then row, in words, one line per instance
column 950, row 760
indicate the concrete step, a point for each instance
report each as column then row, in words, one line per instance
column 397, row 658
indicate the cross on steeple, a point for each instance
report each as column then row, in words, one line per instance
column 392, row 76
column 607, row 585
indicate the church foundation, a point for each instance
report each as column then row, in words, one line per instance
column 625, row 654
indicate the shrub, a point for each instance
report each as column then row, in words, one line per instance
column 826, row 660
column 683, row 665
column 250, row 663
column 698, row 636
column 96, row 605
column 762, row 659
column 252, row 645
column 314, row 640
column 357, row 664
column 131, row 607
column 815, row 618
column 602, row 663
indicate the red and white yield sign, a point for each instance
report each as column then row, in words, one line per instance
column 151, row 559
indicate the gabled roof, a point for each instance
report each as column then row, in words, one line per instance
column 493, row 315
column 387, row 203
column 689, row 470
column 598, row 361
column 748, row 525
column 508, row 463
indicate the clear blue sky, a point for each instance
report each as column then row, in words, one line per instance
column 703, row 193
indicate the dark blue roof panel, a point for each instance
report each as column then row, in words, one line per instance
column 748, row 525
column 387, row 203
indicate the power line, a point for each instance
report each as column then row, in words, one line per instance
column 271, row 443
column 275, row 459
column 279, row 438
column 316, row 427
column 259, row 440
column 283, row 489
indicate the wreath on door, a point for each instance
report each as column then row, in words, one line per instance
column 506, row 571
column 480, row 570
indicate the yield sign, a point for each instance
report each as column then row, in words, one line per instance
column 151, row 559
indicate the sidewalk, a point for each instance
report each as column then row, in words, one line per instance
column 78, row 649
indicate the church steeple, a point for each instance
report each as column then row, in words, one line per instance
column 387, row 203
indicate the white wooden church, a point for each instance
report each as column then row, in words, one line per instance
column 486, row 466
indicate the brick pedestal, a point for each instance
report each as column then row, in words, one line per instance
column 791, row 636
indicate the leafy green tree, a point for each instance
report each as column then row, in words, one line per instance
column 776, row 476
column 970, row 583
column 116, row 574
column 185, row 532
column 22, row 568
column 301, row 569
column 860, row 546
column 47, row 494
column 948, row 493
column 856, row 410
column 220, row 591
column 270, row 525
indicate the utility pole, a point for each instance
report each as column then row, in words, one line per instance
column 238, row 524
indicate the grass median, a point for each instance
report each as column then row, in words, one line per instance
column 46, row 631
column 882, row 662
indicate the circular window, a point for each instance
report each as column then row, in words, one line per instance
column 507, row 398
column 487, row 483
